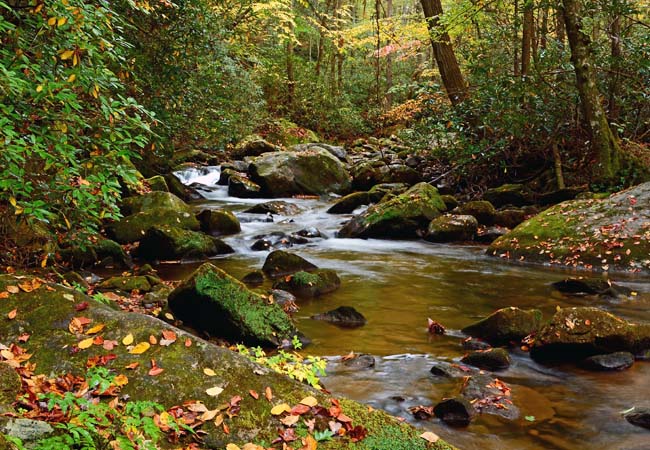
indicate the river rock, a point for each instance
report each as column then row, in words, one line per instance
column 359, row 362
column 344, row 316
column 451, row 227
column 253, row 146
column 310, row 284
column 506, row 325
column 312, row 172
column 576, row 333
column 218, row 222
column 242, row 187
column 509, row 217
column 254, row 278
column 195, row 156
column 379, row 191
column 491, row 359
column 132, row 228
column 170, row 243
column 225, row 174
column 336, row 151
column 400, row 217
column 261, row 245
column 126, row 284
column 366, row 174
column 280, row 263
column 157, row 183
column 475, row 344
column 483, row 211
column 210, row 300
column 153, row 200
column 350, row 202
column 639, row 417
column 591, row 286
column 275, row 207
column 310, row 232
column 450, row 201
column 457, row 411
column 611, row 361
column 487, row 235
column 508, row 194
column 102, row 253
column 606, row 234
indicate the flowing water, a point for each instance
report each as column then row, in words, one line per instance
column 398, row 284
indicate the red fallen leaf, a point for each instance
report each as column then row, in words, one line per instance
column 12, row 314
column 81, row 306
column 99, row 340
column 188, row 342
column 335, row 410
column 357, row 433
column 132, row 366
column 226, row 429
column 254, row 394
column 286, row 435
column 299, row 410
column 169, row 335
column 234, row 401
column 343, row 418
column 24, row 337
column 109, row 345
column 155, row 371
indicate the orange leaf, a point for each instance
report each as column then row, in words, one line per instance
column 155, row 371
column 86, row 343
column 268, row 393
column 13, row 289
column 12, row 314
column 153, row 340
column 133, row 366
column 254, row 394
column 188, row 342
column 96, row 329
column 121, row 380
column 169, row 335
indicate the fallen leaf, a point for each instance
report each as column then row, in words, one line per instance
column 86, row 343
column 140, row 348
column 155, row 371
column 268, row 393
column 79, row 306
column 218, row 421
column 209, row 415
column 197, row 407
column 232, row 447
column 214, row 391
column 430, row 436
column 290, row 420
column 254, row 394
column 309, row 443
column 128, row 339
column 309, row 401
column 169, row 335
column 4, row 294
column 188, row 342
column 153, row 340
column 109, row 345
column 133, row 366
column 121, row 380
column 166, row 342
column 299, row 410
column 96, row 329
column 12, row 314
column 279, row 409
column 168, row 316
column 24, row 337
column 209, row 372
column 13, row 289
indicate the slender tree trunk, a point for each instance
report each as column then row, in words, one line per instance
column 515, row 57
column 389, row 60
column 527, row 37
column 560, row 28
column 614, row 77
column 604, row 144
column 291, row 81
column 452, row 77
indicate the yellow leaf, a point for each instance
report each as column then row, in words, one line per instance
column 232, row 447
column 38, row 8
column 75, row 60
column 309, row 401
column 121, row 380
column 67, row 54
column 71, row 78
column 165, row 418
column 140, row 348
column 209, row 415
column 128, row 339
column 61, row 21
column 95, row 91
column 39, row 88
column 429, row 436
column 96, row 329
column 279, row 409
column 51, row 21
column 12, row 201
column 86, row 343
column 214, row 391
column 209, row 372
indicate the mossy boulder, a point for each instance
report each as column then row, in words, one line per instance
column 506, row 325
column 170, row 243
column 9, row 387
column 349, row 203
column 509, row 217
column 218, row 222
column 253, row 146
column 483, row 210
column 366, row 174
column 157, row 183
column 508, row 194
column 336, row 150
column 288, row 133
column 196, row 156
column 280, row 263
column 153, row 200
column 400, row 217
column 103, row 252
column 450, row 201
column 210, row 300
column 311, row 172
column 275, row 207
column 242, row 187
column 611, row 234
column 577, row 333
column 132, row 228
column 451, row 227
column 126, row 284
column 310, row 284
column 176, row 187
column 46, row 314
column 379, row 191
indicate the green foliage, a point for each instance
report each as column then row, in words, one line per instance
column 68, row 127
column 308, row 370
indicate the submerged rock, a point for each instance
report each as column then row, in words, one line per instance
column 210, row 300
column 586, row 286
column 450, row 227
column 344, row 316
column 254, row 278
column 400, row 217
column 218, row 222
column 639, row 417
column 611, row 361
column 280, row 263
column 170, row 243
column 491, row 359
column 310, row 284
column 359, row 362
column 506, row 325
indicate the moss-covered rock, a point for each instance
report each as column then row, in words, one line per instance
column 576, row 333
column 126, row 283
column 609, row 234
column 450, row 201
column 153, row 200
column 310, row 284
column 367, row 174
column 9, row 387
column 242, row 187
column 196, row 156
column 157, row 183
column 275, row 207
column 254, row 278
column 508, row 194
column 452, row 227
column 378, row 192
column 335, row 150
column 509, row 217
column 170, row 243
column 288, row 133
column 280, row 263
column 490, row 359
column 176, row 187
column 506, row 325
column 103, row 252
column 213, row 301
column 218, row 222
column 349, row 203
column 483, row 211
column 400, row 217
column 311, row 172
column 132, row 228
column 253, row 146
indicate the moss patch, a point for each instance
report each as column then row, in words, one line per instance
column 132, row 228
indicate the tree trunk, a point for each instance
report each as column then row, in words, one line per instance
column 613, row 84
column 291, row 81
column 515, row 32
column 527, row 37
column 604, row 144
column 389, row 60
column 452, row 78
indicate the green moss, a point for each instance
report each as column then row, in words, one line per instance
column 132, row 228
column 305, row 279
column 140, row 283
column 310, row 284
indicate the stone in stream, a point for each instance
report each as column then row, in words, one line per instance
column 171, row 243
column 452, row 227
column 157, row 183
column 225, row 174
column 510, row 217
column 310, row 232
column 280, row 263
column 379, row 191
column 450, row 201
column 310, row 284
column 253, row 146
column 506, row 325
column 491, row 359
column 218, row 222
column 576, row 333
column 587, row 286
column 368, row 173
column 609, row 362
column 639, row 417
column 101, row 253
column 242, row 187
column 177, row 188
column 487, row 235
column 254, row 278
column 457, row 412
column 358, row 362
column 153, row 200
column 261, row 245
column 275, row 207
column 210, row 300
column 343, row 316
column 483, row 211
column 475, row 344
column 350, row 202
column 132, row 228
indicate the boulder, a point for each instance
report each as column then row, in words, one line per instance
column 195, row 156
column 310, row 284
column 590, row 286
column 457, row 411
column 452, row 227
column 483, row 211
column 212, row 301
column 509, row 217
column 506, row 325
column 344, row 316
column 508, row 194
column 171, row 243
column 312, row 172
column 132, row 228
column 639, row 417
column 400, row 217
column 280, row 263
column 126, row 284
column 597, row 234
column 103, row 252
column 475, row 344
column 157, row 183
column 254, row 278
column 359, row 362
column 336, row 150
column 242, row 187
column 490, row 359
column 225, row 174
column 275, row 207
column 253, row 146
column 380, row 191
column 577, row 333
column 176, row 187
column 153, row 200
column 366, row 174
column 350, row 202
column 487, row 235
column 609, row 362
column 218, row 222
column 450, row 201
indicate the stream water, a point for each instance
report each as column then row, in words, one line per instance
column 397, row 285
